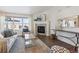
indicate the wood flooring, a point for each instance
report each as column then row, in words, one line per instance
column 41, row 45
column 50, row 42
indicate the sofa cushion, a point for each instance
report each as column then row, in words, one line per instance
column 8, row 33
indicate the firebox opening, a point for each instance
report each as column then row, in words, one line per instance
column 41, row 29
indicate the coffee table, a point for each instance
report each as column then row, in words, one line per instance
column 35, row 45
column 29, row 39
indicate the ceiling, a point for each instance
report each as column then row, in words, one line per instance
column 24, row 9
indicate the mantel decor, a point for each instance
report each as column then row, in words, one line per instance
column 38, row 19
column 41, row 18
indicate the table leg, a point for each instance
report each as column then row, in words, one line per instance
column 76, row 46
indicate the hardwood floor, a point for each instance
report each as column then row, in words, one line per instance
column 41, row 45
column 50, row 42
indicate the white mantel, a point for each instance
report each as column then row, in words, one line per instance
column 42, row 23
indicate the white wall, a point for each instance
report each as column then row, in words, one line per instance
column 69, row 11
column 51, row 16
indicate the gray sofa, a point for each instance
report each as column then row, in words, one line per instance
column 10, row 36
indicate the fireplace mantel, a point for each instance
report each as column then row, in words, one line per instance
column 40, row 22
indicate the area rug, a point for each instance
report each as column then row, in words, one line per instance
column 58, row 49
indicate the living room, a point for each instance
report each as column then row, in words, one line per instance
column 39, row 29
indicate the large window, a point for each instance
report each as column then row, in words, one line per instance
column 68, row 23
column 26, row 22
column 16, row 23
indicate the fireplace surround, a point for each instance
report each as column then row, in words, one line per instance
column 41, row 28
